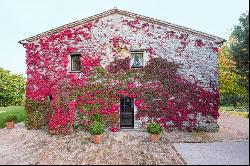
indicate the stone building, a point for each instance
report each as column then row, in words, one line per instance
column 118, row 42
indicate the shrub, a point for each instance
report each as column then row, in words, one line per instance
column 11, row 118
column 154, row 128
column 97, row 118
column 96, row 128
column 12, row 110
column 12, row 88
column 233, row 99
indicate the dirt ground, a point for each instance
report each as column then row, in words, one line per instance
column 228, row 146
column 231, row 128
column 22, row 146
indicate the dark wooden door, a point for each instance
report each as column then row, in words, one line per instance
column 127, row 113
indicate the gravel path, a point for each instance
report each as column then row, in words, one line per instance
column 21, row 146
column 226, row 152
column 232, row 128
column 218, row 153
column 234, row 123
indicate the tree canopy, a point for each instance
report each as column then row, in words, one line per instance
column 231, row 91
column 240, row 49
column 12, row 88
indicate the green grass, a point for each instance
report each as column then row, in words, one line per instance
column 12, row 110
column 228, row 110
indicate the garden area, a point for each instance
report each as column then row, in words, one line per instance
column 239, row 111
column 6, row 112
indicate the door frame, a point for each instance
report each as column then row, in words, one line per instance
column 133, row 112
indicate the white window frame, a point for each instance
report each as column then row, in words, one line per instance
column 143, row 58
column 71, row 63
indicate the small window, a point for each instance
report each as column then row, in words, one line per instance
column 137, row 59
column 76, row 62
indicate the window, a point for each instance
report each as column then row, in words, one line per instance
column 76, row 62
column 137, row 59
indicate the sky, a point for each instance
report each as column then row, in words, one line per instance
column 20, row 19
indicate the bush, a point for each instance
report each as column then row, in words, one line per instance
column 11, row 118
column 232, row 99
column 96, row 128
column 97, row 118
column 12, row 110
column 154, row 128
column 12, row 88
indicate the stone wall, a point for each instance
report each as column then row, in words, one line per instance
column 114, row 36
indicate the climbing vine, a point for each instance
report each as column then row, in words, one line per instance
column 164, row 90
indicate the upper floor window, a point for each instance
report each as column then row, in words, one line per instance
column 137, row 59
column 75, row 62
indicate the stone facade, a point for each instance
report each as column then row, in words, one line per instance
column 113, row 35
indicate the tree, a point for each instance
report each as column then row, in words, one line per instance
column 12, row 88
column 231, row 91
column 240, row 49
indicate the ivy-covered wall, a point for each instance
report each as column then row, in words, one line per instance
column 173, row 88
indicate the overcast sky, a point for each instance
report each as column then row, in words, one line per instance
column 24, row 18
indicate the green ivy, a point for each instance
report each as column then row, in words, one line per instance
column 37, row 113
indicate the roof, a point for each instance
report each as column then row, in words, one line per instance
column 125, row 13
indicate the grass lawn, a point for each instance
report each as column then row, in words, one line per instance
column 228, row 110
column 10, row 110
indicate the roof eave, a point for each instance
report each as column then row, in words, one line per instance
column 23, row 42
column 218, row 40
